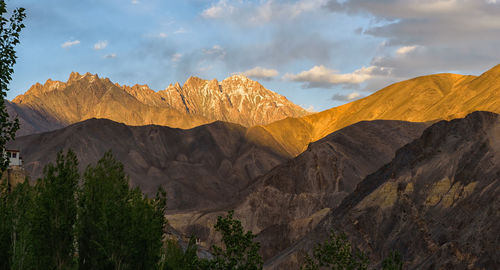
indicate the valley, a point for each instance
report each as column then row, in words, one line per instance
column 395, row 161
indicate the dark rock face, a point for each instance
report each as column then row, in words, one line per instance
column 31, row 121
column 201, row 167
column 288, row 202
column 437, row 202
column 291, row 199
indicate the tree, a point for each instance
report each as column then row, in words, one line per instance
column 22, row 205
column 175, row 258
column 55, row 213
column 118, row 228
column 16, row 208
column 239, row 251
column 393, row 262
column 146, row 229
column 9, row 38
column 5, row 226
column 336, row 253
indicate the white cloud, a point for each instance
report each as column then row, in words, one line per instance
column 309, row 108
column 111, row 55
column 216, row 52
column 135, row 2
column 259, row 12
column 353, row 95
column 320, row 76
column 69, row 43
column 218, row 10
column 452, row 35
column 260, row 72
column 180, row 31
column 349, row 97
column 176, row 57
column 101, row 45
column 406, row 50
column 162, row 35
column 206, row 68
column 272, row 10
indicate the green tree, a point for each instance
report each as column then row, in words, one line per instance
column 175, row 258
column 147, row 219
column 55, row 213
column 239, row 251
column 22, row 205
column 10, row 28
column 15, row 226
column 5, row 226
column 393, row 262
column 118, row 228
column 336, row 253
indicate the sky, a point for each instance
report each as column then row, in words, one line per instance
column 317, row 53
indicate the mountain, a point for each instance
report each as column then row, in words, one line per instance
column 201, row 167
column 236, row 99
column 284, row 204
column 437, row 202
column 422, row 99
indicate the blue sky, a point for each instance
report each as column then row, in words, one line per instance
column 317, row 53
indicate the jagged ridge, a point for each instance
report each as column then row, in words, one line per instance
column 236, row 99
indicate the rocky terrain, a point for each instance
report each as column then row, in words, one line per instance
column 201, row 167
column 422, row 99
column 437, row 202
column 236, row 99
column 428, row 189
column 287, row 202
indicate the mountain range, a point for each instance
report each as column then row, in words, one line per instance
column 436, row 202
column 237, row 99
column 422, row 99
column 200, row 167
column 413, row 167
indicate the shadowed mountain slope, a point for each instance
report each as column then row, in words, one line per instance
column 200, row 167
column 437, row 202
column 236, row 99
column 287, row 202
column 422, row 99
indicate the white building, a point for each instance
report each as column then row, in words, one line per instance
column 14, row 158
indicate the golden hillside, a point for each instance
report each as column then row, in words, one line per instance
column 426, row 98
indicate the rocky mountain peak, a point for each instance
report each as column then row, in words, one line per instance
column 194, row 82
column 239, row 77
column 237, row 100
column 75, row 76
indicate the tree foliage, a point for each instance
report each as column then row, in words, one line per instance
column 239, row 251
column 176, row 258
column 393, row 262
column 104, row 224
column 118, row 227
column 55, row 213
column 336, row 253
column 10, row 29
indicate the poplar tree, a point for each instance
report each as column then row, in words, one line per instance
column 118, row 228
column 10, row 28
column 55, row 213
